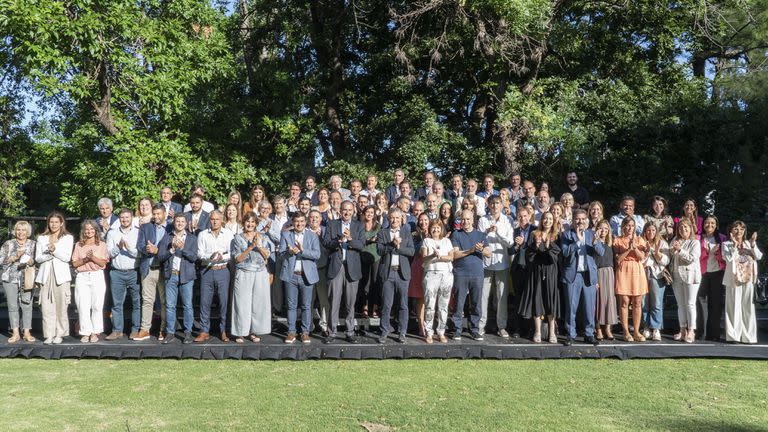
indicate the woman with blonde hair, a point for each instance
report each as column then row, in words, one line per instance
column 89, row 259
column 741, row 257
column 234, row 198
column 437, row 255
column 605, row 311
column 631, row 283
column 53, row 253
column 596, row 213
column 567, row 201
column 655, row 271
column 16, row 256
column 686, row 277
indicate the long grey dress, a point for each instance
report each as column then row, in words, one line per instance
column 251, row 304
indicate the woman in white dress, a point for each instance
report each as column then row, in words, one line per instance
column 741, row 257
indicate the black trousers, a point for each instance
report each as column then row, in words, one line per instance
column 713, row 290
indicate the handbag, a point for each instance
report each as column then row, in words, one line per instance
column 29, row 278
column 761, row 290
column 744, row 269
column 667, row 276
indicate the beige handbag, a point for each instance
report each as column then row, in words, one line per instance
column 29, row 278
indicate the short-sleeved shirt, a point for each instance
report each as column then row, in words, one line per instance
column 472, row 264
column 99, row 251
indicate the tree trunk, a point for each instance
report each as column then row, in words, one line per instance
column 245, row 35
column 327, row 40
column 102, row 107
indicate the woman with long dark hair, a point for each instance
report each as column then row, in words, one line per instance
column 711, row 290
column 53, row 253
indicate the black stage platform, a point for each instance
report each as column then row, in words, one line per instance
column 272, row 348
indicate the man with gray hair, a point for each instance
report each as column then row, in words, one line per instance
column 344, row 238
column 335, row 184
column 106, row 217
column 213, row 249
column 395, row 246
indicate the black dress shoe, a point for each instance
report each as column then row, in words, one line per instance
column 169, row 338
column 351, row 339
column 188, row 339
column 329, row 339
column 591, row 340
column 401, row 339
column 568, row 341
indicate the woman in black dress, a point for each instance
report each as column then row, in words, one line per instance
column 541, row 296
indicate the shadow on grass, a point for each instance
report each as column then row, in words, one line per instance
column 702, row 424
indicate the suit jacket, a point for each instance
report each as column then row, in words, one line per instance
column 309, row 255
column 391, row 193
column 517, row 254
column 202, row 224
column 330, row 241
column 147, row 233
column 176, row 207
column 570, row 251
column 112, row 219
column 188, row 257
column 385, row 248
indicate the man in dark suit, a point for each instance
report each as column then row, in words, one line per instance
column 300, row 249
column 106, row 216
column 178, row 253
column 579, row 246
column 344, row 239
column 152, row 280
column 395, row 246
column 171, row 208
column 392, row 191
column 197, row 218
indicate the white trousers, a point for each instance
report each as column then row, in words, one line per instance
column 740, row 319
column 437, row 294
column 685, row 294
column 90, row 288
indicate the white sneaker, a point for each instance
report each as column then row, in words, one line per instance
column 656, row 335
column 57, row 340
column 503, row 334
column 48, row 341
column 647, row 333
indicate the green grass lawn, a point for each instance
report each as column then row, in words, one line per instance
column 413, row 395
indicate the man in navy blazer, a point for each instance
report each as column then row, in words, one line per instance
column 300, row 249
column 579, row 247
column 171, row 208
column 178, row 253
column 395, row 246
column 197, row 218
column 106, row 216
column 344, row 239
column 152, row 281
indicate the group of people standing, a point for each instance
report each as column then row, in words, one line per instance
column 436, row 253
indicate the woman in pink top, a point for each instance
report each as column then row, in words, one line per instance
column 89, row 259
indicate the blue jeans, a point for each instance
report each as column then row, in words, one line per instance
column 293, row 289
column 653, row 304
column 123, row 282
column 172, row 290
column 577, row 292
column 213, row 281
column 463, row 285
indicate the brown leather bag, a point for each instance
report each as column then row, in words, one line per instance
column 29, row 278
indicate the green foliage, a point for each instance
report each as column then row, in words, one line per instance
column 143, row 94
